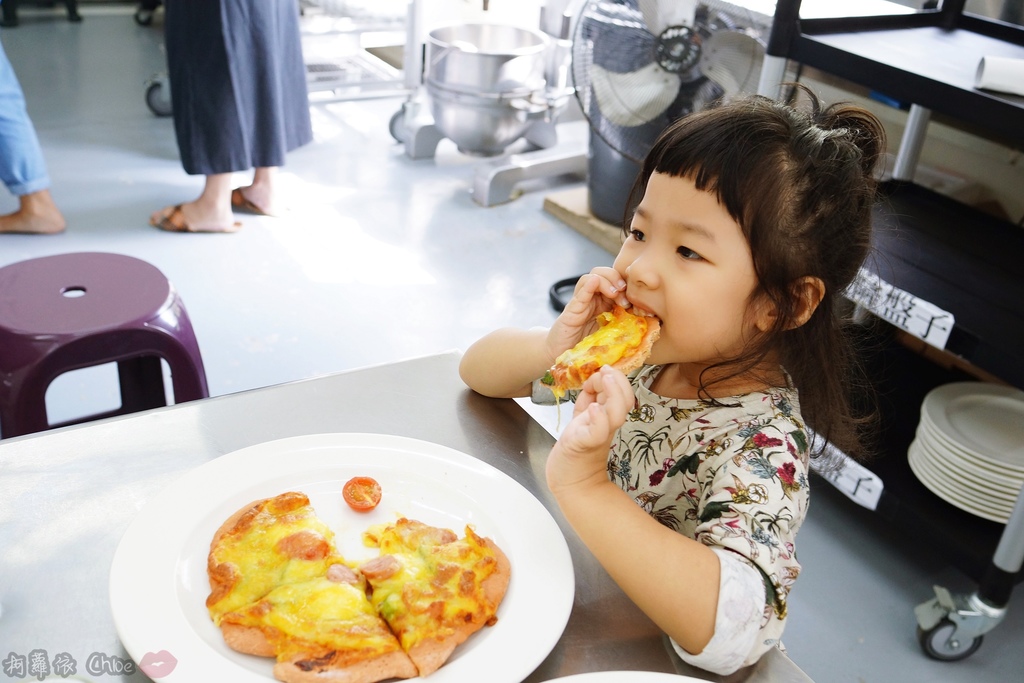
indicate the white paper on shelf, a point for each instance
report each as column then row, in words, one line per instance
column 924, row 320
column 860, row 484
column 1001, row 74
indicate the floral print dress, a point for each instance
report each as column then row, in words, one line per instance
column 732, row 475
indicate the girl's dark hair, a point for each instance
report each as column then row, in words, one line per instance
column 800, row 183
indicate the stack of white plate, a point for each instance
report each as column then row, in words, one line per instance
column 969, row 448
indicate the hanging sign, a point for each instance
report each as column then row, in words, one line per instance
column 924, row 320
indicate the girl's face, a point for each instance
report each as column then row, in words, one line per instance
column 687, row 261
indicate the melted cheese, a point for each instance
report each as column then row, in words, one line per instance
column 438, row 587
column 319, row 615
column 259, row 566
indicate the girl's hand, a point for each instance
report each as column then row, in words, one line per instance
column 580, row 455
column 596, row 292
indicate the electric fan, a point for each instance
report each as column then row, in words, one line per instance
column 638, row 65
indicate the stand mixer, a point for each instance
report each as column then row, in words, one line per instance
column 486, row 86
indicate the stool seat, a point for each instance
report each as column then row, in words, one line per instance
column 71, row 311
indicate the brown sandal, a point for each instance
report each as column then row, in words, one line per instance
column 175, row 222
column 239, row 201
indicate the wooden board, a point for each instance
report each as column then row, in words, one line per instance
column 571, row 206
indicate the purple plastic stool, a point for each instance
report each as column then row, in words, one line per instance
column 71, row 311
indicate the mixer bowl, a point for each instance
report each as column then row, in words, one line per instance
column 486, row 84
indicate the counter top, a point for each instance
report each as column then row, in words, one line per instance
column 69, row 494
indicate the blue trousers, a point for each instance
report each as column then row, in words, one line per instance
column 22, row 168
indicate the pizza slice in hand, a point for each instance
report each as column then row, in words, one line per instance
column 622, row 340
column 433, row 588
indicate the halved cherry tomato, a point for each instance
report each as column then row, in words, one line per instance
column 361, row 493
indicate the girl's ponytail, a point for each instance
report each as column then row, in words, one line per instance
column 860, row 127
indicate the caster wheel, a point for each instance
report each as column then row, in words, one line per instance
column 158, row 101
column 940, row 642
column 144, row 17
column 394, row 125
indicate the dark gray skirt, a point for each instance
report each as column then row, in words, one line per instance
column 238, row 83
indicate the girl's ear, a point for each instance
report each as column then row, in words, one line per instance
column 807, row 292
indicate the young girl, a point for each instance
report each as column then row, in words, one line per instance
column 688, row 481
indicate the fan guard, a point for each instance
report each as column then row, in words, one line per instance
column 633, row 79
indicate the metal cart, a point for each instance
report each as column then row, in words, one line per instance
column 353, row 48
column 981, row 270
column 344, row 44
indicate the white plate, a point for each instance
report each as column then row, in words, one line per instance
column 626, row 677
column 986, row 465
column 984, row 419
column 959, row 458
column 962, row 475
column 935, row 483
column 158, row 580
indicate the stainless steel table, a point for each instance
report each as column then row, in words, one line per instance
column 67, row 496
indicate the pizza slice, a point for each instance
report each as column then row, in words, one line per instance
column 279, row 588
column 433, row 588
column 268, row 543
column 320, row 629
column 622, row 340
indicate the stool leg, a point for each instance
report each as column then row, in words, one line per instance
column 188, row 376
column 142, row 383
column 25, row 413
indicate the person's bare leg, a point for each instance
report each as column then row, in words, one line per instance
column 37, row 214
column 211, row 211
column 263, row 192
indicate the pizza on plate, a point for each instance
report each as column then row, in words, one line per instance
column 279, row 588
column 623, row 340
column 433, row 588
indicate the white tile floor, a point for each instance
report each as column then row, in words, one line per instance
column 385, row 258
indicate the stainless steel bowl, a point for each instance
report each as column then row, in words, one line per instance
column 486, row 84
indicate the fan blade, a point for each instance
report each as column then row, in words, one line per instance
column 732, row 59
column 633, row 98
column 660, row 14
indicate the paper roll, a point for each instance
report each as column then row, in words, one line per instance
column 1002, row 74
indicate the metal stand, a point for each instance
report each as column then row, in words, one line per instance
column 495, row 182
column 413, row 126
column 912, row 143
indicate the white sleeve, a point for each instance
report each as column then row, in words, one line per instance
column 741, row 601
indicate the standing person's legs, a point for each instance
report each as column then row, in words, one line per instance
column 205, row 118
column 22, row 168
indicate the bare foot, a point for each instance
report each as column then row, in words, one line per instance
column 190, row 217
column 36, row 215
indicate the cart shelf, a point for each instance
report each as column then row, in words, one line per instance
column 932, row 249
column 906, row 377
column 963, row 261
column 929, row 65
